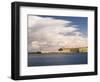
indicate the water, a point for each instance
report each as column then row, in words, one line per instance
column 56, row 59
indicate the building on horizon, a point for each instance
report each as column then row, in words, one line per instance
column 73, row 50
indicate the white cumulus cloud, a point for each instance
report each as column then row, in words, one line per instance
column 50, row 34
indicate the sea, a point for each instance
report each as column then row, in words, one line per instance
column 57, row 59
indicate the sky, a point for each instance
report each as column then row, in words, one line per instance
column 49, row 33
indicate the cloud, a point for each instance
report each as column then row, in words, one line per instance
column 48, row 33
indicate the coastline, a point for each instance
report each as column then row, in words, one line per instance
column 58, row 53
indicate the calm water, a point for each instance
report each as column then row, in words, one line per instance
column 59, row 59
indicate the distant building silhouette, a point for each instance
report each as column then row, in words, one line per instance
column 81, row 49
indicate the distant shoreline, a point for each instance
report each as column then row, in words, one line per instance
column 57, row 53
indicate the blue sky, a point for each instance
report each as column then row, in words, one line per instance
column 81, row 22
